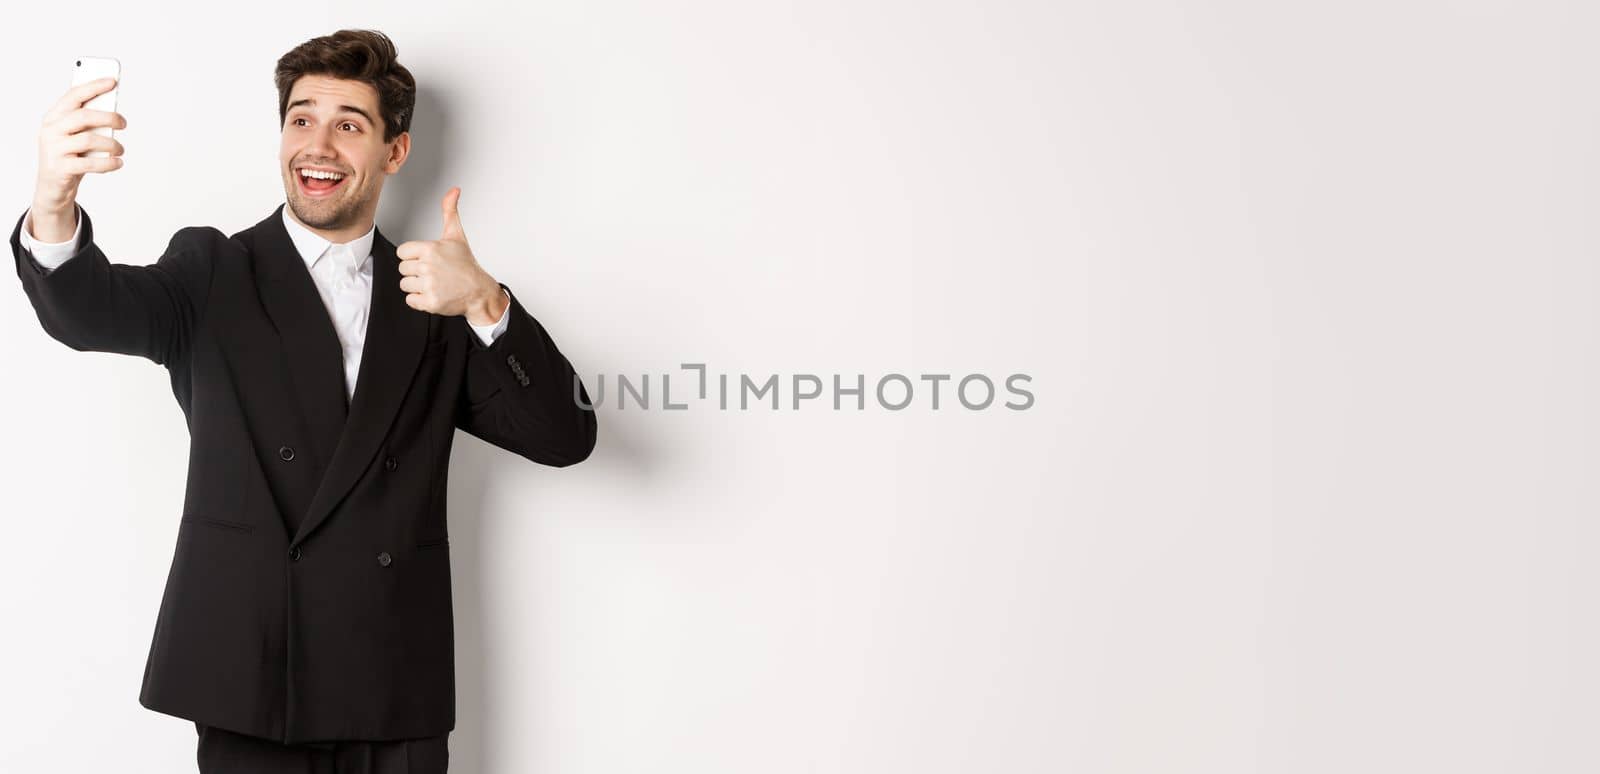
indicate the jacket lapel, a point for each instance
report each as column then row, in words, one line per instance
column 311, row 351
column 396, row 337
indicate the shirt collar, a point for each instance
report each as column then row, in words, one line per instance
column 311, row 246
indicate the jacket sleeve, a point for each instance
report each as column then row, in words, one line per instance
column 93, row 305
column 51, row 254
column 522, row 395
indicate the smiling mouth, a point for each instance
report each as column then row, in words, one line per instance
column 315, row 183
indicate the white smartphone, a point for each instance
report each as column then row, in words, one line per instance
column 89, row 68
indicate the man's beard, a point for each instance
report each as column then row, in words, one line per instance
column 328, row 214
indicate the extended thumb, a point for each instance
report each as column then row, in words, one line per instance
column 452, row 215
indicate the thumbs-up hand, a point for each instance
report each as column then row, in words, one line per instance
column 441, row 275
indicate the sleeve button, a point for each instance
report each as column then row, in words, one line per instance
column 285, row 453
column 384, row 559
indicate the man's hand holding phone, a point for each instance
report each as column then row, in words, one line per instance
column 64, row 139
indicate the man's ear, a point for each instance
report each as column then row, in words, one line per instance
column 399, row 150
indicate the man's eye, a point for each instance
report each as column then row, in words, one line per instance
column 297, row 121
column 350, row 124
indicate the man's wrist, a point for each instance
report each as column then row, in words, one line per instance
column 488, row 309
column 51, row 223
column 53, row 207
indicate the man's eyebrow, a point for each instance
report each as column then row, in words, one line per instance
column 342, row 108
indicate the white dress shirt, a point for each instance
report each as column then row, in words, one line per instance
column 343, row 281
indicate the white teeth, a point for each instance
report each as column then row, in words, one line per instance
column 321, row 175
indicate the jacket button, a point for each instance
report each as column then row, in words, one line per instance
column 390, row 464
column 384, row 559
column 285, row 453
column 294, row 554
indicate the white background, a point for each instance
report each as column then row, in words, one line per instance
column 1306, row 293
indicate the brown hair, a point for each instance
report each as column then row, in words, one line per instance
column 359, row 55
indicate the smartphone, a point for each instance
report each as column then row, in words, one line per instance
column 89, row 68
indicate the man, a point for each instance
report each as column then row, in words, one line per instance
column 322, row 371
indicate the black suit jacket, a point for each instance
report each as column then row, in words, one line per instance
column 309, row 593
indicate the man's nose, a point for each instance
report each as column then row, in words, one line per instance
column 322, row 142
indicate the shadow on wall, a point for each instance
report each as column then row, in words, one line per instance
column 409, row 208
column 469, row 480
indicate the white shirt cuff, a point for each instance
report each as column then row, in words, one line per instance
column 488, row 333
column 50, row 254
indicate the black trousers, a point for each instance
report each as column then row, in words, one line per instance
column 226, row 752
